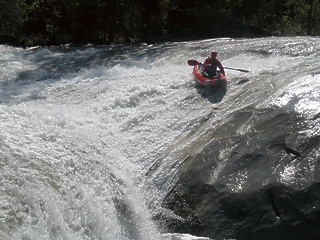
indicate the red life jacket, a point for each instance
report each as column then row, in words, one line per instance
column 214, row 63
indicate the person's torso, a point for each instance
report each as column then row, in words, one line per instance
column 214, row 63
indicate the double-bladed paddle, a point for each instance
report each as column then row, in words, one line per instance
column 195, row 62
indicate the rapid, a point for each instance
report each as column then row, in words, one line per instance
column 83, row 128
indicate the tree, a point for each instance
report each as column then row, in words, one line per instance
column 100, row 21
column 11, row 19
column 310, row 14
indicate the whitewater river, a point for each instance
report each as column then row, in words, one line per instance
column 82, row 128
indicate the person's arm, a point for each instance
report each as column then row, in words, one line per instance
column 221, row 67
column 206, row 64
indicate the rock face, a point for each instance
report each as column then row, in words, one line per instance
column 255, row 176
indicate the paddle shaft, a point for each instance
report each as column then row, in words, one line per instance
column 237, row 69
column 195, row 62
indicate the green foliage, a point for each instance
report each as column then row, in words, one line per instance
column 11, row 16
column 101, row 21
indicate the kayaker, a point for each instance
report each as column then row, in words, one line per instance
column 211, row 63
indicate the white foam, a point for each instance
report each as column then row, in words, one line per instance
column 302, row 95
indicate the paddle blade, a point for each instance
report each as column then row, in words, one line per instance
column 192, row 62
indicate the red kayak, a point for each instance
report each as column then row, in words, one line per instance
column 200, row 76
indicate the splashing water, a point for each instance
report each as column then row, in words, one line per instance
column 82, row 128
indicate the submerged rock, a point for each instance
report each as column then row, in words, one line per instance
column 255, row 176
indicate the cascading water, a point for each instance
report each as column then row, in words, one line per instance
column 87, row 133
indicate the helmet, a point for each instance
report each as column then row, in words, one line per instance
column 214, row 53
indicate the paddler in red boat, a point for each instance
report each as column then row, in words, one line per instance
column 211, row 63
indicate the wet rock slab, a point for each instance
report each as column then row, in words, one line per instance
column 256, row 176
